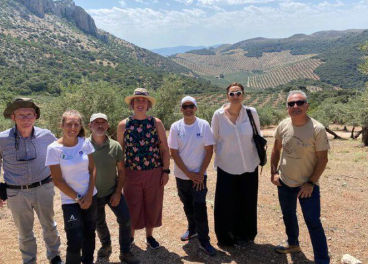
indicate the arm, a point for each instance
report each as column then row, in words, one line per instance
column 306, row 189
column 120, row 133
column 86, row 200
column 115, row 198
column 164, row 148
column 275, row 157
column 206, row 161
column 59, row 182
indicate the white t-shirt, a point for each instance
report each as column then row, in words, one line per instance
column 190, row 141
column 235, row 150
column 74, row 165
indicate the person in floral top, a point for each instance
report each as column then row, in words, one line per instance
column 147, row 163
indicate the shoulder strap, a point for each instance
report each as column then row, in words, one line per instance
column 255, row 131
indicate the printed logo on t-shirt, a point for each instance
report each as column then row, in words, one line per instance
column 81, row 153
column 66, row 156
column 181, row 134
column 199, row 134
column 72, row 218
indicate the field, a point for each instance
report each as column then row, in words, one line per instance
column 269, row 70
column 344, row 195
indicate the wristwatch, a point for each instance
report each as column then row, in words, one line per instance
column 78, row 198
column 311, row 183
column 166, row 171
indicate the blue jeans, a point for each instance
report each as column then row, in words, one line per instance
column 121, row 212
column 194, row 207
column 311, row 208
column 80, row 227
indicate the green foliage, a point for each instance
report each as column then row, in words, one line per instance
column 270, row 116
column 168, row 100
column 87, row 98
column 205, row 51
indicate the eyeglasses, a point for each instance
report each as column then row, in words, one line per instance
column 185, row 107
column 23, row 117
column 73, row 125
column 238, row 93
column 298, row 103
column 33, row 157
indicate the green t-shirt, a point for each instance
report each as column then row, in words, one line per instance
column 106, row 158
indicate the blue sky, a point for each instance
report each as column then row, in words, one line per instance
column 161, row 23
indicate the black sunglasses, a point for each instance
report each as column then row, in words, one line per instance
column 238, row 93
column 185, row 107
column 16, row 145
column 298, row 103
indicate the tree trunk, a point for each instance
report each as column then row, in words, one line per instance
column 365, row 136
column 358, row 134
column 345, row 129
column 334, row 134
column 352, row 133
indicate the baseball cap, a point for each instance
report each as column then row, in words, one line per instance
column 187, row 99
column 98, row 115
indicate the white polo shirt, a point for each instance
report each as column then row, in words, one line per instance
column 235, row 150
column 190, row 141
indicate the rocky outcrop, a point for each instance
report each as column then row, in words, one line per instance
column 65, row 9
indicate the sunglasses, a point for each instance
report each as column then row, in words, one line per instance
column 238, row 93
column 141, row 93
column 185, row 107
column 298, row 103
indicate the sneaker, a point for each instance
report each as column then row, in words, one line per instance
column 287, row 249
column 208, row 248
column 56, row 260
column 104, row 251
column 128, row 257
column 152, row 242
column 188, row 235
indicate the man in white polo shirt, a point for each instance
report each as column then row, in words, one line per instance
column 191, row 146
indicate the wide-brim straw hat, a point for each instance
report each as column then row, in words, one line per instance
column 21, row 103
column 140, row 92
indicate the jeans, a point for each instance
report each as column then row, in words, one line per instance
column 236, row 207
column 194, row 207
column 23, row 204
column 311, row 208
column 80, row 226
column 121, row 212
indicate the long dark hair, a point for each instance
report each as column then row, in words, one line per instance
column 82, row 132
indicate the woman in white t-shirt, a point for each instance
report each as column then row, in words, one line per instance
column 73, row 172
column 237, row 170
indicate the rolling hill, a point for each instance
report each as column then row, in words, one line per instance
column 45, row 44
column 328, row 57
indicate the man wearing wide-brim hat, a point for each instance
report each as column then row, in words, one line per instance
column 29, row 186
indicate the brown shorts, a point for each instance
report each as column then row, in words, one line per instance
column 144, row 195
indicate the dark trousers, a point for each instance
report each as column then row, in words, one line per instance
column 236, row 207
column 311, row 208
column 121, row 212
column 194, row 207
column 80, row 226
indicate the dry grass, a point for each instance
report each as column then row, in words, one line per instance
column 344, row 193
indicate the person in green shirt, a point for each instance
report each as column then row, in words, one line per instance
column 109, row 162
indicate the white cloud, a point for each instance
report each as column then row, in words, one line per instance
column 186, row 2
column 152, row 28
column 231, row 2
column 122, row 3
column 141, row 2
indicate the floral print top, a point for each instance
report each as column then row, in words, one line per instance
column 141, row 142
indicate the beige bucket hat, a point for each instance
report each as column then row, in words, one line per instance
column 140, row 92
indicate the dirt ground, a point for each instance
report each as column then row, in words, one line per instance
column 344, row 196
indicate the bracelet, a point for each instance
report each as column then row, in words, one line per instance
column 311, row 183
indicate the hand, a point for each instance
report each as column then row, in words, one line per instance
column 195, row 177
column 198, row 186
column 275, row 179
column 164, row 179
column 305, row 191
column 86, row 201
column 115, row 199
column 1, row 203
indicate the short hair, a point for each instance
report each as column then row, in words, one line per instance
column 235, row 84
column 82, row 132
column 131, row 105
column 296, row 92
